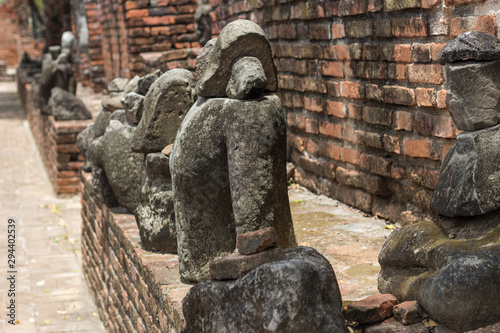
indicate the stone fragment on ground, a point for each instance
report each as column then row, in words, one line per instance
column 371, row 309
column 256, row 241
column 296, row 295
column 407, row 313
column 237, row 265
column 66, row 106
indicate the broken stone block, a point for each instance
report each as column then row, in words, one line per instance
column 455, row 281
column 296, row 295
column 237, row 265
column 165, row 106
column 146, row 81
column 155, row 212
column 248, row 79
column 407, row 313
column 113, row 101
column 469, row 182
column 471, row 45
column 66, row 106
column 371, row 309
column 117, row 85
column 83, row 141
column 256, row 241
column 393, row 326
column 225, row 153
column 123, row 168
column 132, row 86
column 473, row 91
column 133, row 103
column 237, row 39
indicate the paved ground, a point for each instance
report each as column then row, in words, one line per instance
column 51, row 294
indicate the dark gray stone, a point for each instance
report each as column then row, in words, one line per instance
column 119, row 115
column 123, row 168
column 113, row 101
column 165, row 106
column 203, row 57
column 155, row 213
column 146, row 81
column 299, row 295
column 469, row 184
column 83, row 141
column 237, row 39
column 471, row 45
column 55, row 73
column 203, row 22
column 66, row 106
column 229, row 177
column 118, row 85
column 473, row 94
column 134, row 105
column 455, row 281
column 101, row 122
column 248, row 79
column 132, row 86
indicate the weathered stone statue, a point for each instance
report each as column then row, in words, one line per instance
column 57, row 71
column 163, row 109
column 203, row 22
column 117, row 171
column 296, row 295
column 452, row 266
column 228, row 159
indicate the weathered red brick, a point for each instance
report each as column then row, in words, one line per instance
column 330, row 150
column 412, row 27
column 336, row 109
column 426, row 97
column 417, row 148
column 435, row 125
column 349, row 155
column 330, row 129
column 376, row 164
column 425, row 74
column 403, row 121
column 338, row 31
column 256, row 241
column 351, row 89
column 332, row 68
column 399, row 95
column 371, row 309
column 402, row 53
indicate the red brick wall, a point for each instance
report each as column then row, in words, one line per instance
column 132, row 27
column 16, row 36
column 56, row 141
column 363, row 91
column 134, row 290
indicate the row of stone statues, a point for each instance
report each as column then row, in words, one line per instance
column 200, row 163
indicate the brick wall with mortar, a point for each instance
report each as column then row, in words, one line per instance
column 364, row 94
column 89, row 70
column 133, row 27
column 134, row 290
column 56, row 141
column 16, row 35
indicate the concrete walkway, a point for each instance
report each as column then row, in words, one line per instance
column 51, row 293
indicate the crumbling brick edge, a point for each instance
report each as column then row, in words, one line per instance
column 134, row 290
